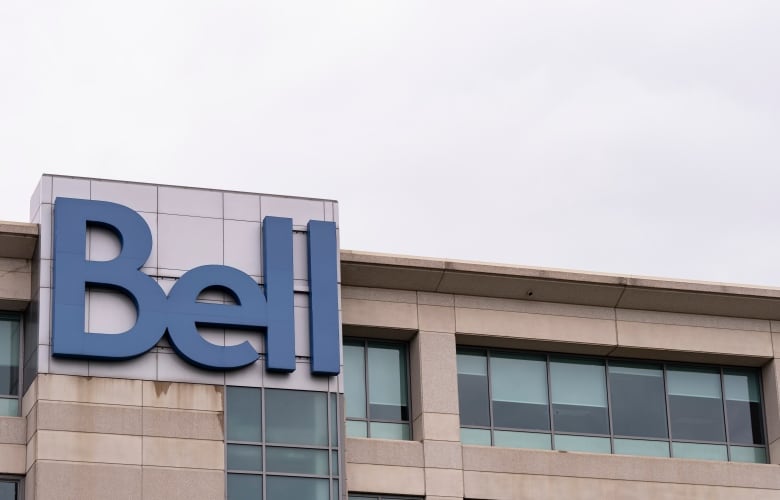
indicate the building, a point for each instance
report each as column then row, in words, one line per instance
column 453, row 380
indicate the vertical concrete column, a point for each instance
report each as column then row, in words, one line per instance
column 770, row 376
column 435, row 406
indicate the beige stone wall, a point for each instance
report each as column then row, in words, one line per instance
column 98, row 438
column 15, row 283
column 437, row 466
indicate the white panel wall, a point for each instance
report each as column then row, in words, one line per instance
column 190, row 227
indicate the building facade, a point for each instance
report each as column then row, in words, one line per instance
column 169, row 342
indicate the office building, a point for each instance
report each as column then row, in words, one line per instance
column 164, row 342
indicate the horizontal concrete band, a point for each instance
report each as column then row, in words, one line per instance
column 366, row 269
column 129, row 420
column 124, row 392
column 128, row 450
column 500, row 486
column 495, row 472
column 82, row 481
column 562, row 327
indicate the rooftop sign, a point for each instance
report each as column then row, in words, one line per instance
column 268, row 307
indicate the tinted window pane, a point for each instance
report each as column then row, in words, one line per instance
column 243, row 414
column 244, row 487
column 747, row 454
column 296, row 417
column 387, row 391
column 244, row 457
column 357, row 428
column 512, row 439
column 473, row 388
column 639, row 447
column 699, row 451
column 383, row 430
column 296, row 461
column 695, row 405
column 743, row 407
column 334, row 419
column 355, row 380
column 519, row 391
column 9, row 407
column 334, row 463
column 579, row 395
column 638, row 401
column 7, row 490
column 286, row 488
column 480, row 437
column 582, row 443
column 9, row 357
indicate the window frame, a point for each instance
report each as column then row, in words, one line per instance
column 336, row 473
column 19, row 481
column 10, row 315
column 662, row 364
column 364, row 342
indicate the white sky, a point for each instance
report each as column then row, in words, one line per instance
column 615, row 136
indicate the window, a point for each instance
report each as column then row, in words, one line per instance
column 281, row 444
column 10, row 373
column 376, row 389
column 574, row 403
column 9, row 489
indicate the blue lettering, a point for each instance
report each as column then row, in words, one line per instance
column 270, row 307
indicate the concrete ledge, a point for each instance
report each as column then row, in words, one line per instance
column 499, row 486
column 82, row 417
column 18, row 239
column 384, row 452
column 181, row 484
column 184, row 453
column 88, row 447
column 620, row 467
column 389, row 479
column 556, row 285
column 80, row 481
column 13, row 430
column 13, row 458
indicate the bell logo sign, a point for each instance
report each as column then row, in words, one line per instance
column 268, row 307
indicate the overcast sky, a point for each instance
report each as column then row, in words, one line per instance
column 613, row 136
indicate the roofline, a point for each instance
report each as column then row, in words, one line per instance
column 558, row 285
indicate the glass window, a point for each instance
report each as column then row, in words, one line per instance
column 519, row 405
column 596, row 405
column 244, row 487
column 695, row 405
column 579, row 395
column 296, row 417
column 473, row 388
column 243, row 414
column 9, row 490
column 743, row 406
column 376, row 389
column 638, row 400
column 285, row 488
column 281, row 444
column 10, row 332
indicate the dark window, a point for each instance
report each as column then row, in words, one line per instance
column 576, row 403
column 9, row 489
column 276, row 436
column 376, row 389
column 10, row 374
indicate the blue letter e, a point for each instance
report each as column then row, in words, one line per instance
column 73, row 273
